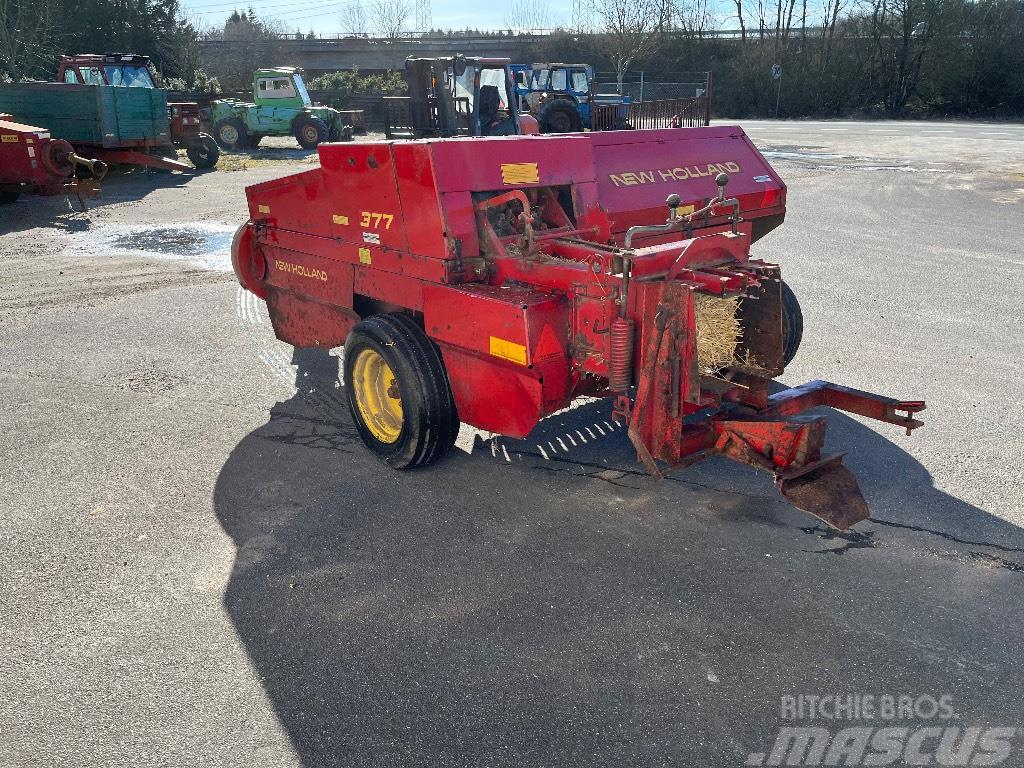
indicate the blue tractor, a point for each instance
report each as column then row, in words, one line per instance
column 562, row 98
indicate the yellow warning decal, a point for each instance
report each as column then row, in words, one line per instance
column 364, row 256
column 339, row 219
column 508, row 350
column 10, row 138
column 520, row 173
column 263, row 208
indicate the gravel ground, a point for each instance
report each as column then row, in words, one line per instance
column 202, row 566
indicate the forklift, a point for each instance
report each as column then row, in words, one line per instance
column 456, row 96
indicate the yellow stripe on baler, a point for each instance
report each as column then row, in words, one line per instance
column 520, row 173
column 508, row 350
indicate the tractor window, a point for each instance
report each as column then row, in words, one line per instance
column 92, row 75
column 579, row 81
column 558, row 80
column 462, row 86
column 276, row 88
column 70, row 76
column 301, row 86
column 133, row 77
column 496, row 78
column 540, row 79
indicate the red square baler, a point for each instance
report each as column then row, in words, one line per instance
column 494, row 280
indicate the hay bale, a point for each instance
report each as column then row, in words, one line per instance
column 718, row 332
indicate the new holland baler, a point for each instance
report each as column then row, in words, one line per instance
column 494, row 280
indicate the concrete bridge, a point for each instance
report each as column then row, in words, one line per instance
column 366, row 54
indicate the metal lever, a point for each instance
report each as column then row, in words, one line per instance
column 673, row 202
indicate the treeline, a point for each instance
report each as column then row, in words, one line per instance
column 34, row 32
column 893, row 58
column 838, row 57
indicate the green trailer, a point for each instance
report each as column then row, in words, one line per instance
column 114, row 124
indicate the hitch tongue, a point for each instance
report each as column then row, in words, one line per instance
column 827, row 490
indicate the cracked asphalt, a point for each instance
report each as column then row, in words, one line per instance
column 201, row 565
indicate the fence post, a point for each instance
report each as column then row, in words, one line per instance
column 641, row 85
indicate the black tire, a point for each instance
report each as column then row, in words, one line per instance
column 559, row 116
column 341, row 133
column 792, row 324
column 231, row 133
column 310, row 132
column 9, row 195
column 204, row 153
column 429, row 422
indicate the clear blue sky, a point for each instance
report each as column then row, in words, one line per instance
column 325, row 17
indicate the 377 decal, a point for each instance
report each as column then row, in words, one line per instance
column 373, row 220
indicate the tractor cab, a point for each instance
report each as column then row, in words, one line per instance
column 572, row 80
column 281, row 87
column 456, row 96
column 127, row 69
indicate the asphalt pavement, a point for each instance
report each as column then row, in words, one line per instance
column 202, row 566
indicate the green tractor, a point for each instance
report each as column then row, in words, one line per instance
column 282, row 108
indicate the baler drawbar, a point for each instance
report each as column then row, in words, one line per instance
column 494, row 280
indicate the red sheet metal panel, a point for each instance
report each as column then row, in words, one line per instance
column 20, row 147
column 520, row 325
column 505, row 162
column 363, row 194
column 421, row 206
column 637, row 170
column 510, row 405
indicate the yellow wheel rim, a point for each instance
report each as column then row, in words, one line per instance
column 376, row 393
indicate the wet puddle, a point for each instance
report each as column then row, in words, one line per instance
column 827, row 161
column 207, row 245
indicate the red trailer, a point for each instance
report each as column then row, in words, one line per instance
column 33, row 162
column 494, row 280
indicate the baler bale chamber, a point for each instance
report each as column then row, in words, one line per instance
column 493, row 281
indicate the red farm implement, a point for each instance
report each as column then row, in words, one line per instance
column 32, row 162
column 494, row 280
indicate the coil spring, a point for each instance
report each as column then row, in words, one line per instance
column 620, row 367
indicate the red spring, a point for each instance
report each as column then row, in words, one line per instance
column 620, row 367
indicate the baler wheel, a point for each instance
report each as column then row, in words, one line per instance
column 231, row 133
column 792, row 324
column 398, row 391
column 311, row 131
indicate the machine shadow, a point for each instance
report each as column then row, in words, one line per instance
column 543, row 602
column 63, row 211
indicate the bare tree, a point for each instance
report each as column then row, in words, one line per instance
column 630, row 29
column 355, row 18
column 695, row 18
column 25, row 38
column 528, row 15
column 391, row 17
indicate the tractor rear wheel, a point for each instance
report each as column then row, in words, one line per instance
column 559, row 116
column 230, row 133
column 204, row 153
column 398, row 391
column 311, row 131
column 792, row 324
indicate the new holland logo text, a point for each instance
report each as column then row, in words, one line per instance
column 298, row 269
column 679, row 173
